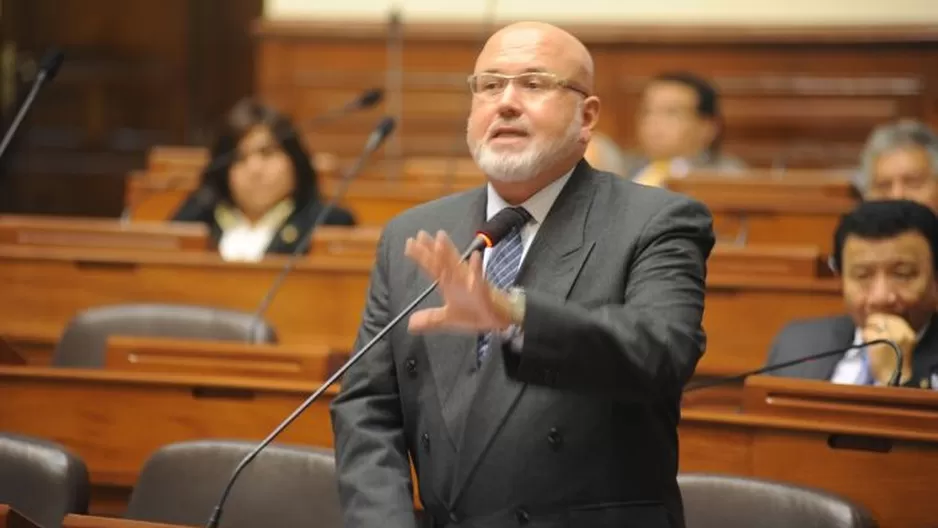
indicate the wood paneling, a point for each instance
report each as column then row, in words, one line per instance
column 792, row 97
column 136, row 73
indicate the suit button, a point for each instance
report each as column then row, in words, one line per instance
column 550, row 377
column 411, row 366
column 555, row 439
column 454, row 517
column 425, row 441
column 522, row 516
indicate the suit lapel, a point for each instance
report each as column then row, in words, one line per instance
column 551, row 265
column 925, row 360
column 841, row 337
column 448, row 352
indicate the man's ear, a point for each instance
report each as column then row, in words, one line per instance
column 591, row 107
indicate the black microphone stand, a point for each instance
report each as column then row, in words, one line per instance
column 893, row 380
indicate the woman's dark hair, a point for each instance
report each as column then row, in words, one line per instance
column 247, row 114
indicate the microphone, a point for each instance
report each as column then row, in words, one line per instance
column 366, row 99
column 491, row 233
column 48, row 68
column 377, row 137
column 893, row 380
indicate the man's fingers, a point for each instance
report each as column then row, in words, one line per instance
column 421, row 251
column 426, row 320
column 446, row 248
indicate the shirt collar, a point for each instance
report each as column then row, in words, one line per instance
column 538, row 205
column 229, row 217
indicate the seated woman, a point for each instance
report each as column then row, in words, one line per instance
column 259, row 193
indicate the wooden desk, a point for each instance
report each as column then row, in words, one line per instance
column 322, row 300
column 116, row 420
column 762, row 207
column 91, row 521
column 48, row 231
column 372, row 202
column 217, row 358
column 877, row 446
column 43, row 288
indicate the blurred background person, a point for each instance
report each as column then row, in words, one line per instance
column 260, row 192
column 900, row 160
column 679, row 128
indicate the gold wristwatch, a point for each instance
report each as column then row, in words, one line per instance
column 516, row 303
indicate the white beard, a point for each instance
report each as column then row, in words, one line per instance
column 536, row 157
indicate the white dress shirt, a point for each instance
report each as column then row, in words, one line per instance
column 242, row 240
column 854, row 367
column 538, row 206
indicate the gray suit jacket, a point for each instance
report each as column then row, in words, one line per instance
column 579, row 429
column 813, row 336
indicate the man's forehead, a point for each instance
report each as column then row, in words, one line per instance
column 521, row 50
column 902, row 247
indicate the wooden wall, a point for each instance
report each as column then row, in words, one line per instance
column 793, row 97
column 137, row 73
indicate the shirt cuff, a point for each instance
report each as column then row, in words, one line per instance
column 514, row 336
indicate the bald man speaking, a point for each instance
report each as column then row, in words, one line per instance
column 540, row 383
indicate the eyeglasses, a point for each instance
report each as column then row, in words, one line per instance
column 530, row 83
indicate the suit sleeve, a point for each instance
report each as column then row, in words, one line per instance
column 777, row 354
column 645, row 347
column 372, row 464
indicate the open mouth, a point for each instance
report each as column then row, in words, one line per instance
column 508, row 133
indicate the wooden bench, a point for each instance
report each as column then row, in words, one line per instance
column 763, row 207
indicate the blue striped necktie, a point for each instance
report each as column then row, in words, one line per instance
column 501, row 270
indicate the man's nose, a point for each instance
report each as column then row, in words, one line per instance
column 896, row 190
column 881, row 294
column 509, row 101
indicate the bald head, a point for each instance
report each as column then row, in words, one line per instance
column 544, row 46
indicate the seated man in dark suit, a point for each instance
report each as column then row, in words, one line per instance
column 887, row 254
column 259, row 193
column 679, row 128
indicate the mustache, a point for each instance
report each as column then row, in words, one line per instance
column 520, row 124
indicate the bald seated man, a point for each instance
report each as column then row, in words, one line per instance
column 540, row 383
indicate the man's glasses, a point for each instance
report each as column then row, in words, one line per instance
column 535, row 84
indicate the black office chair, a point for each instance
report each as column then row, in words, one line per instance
column 722, row 501
column 41, row 479
column 84, row 341
column 284, row 487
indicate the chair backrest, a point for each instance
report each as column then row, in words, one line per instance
column 84, row 342
column 285, row 486
column 41, row 479
column 722, row 501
